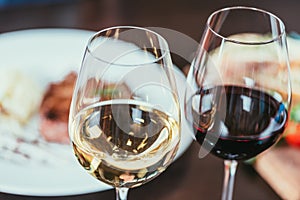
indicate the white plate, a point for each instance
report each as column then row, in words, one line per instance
column 48, row 55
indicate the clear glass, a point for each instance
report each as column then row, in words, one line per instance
column 124, row 117
column 239, row 93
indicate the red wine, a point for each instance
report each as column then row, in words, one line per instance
column 237, row 123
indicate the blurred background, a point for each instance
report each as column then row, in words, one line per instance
column 186, row 16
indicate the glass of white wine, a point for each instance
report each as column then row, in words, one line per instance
column 124, row 120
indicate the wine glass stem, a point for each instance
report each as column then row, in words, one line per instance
column 121, row 193
column 228, row 184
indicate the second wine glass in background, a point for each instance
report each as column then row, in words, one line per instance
column 239, row 91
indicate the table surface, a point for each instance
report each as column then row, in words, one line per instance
column 189, row 177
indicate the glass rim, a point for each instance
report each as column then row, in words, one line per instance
column 154, row 60
column 280, row 34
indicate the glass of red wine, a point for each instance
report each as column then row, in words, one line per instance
column 238, row 93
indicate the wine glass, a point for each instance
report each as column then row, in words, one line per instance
column 238, row 93
column 124, row 117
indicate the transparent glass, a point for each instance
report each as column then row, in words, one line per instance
column 124, row 117
column 239, row 93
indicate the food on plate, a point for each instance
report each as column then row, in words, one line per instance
column 256, row 59
column 54, row 110
column 20, row 96
column 292, row 134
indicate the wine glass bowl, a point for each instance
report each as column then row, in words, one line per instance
column 239, row 93
column 125, row 117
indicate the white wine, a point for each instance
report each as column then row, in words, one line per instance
column 124, row 143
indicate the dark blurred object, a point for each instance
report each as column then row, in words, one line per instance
column 14, row 3
column 294, row 35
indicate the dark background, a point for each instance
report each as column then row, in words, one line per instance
column 188, row 178
column 186, row 16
